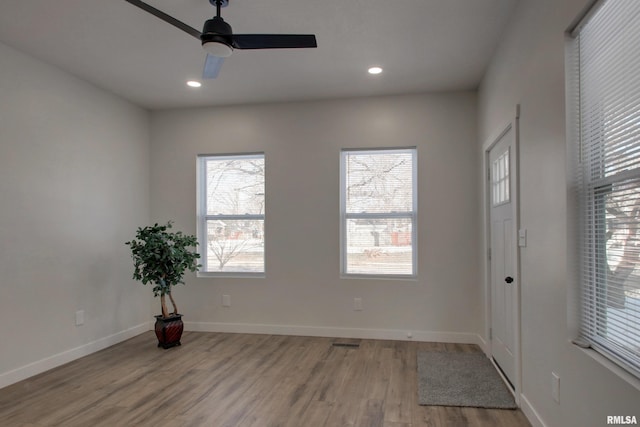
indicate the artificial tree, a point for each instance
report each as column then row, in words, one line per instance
column 161, row 257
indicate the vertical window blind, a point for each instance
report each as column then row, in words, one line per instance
column 607, row 84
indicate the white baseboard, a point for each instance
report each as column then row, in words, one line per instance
column 531, row 414
column 35, row 368
column 320, row 331
column 484, row 345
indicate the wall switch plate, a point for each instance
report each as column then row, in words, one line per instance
column 522, row 237
column 79, row 317
column 226, row 300
column 555, row 387
column 357, row 304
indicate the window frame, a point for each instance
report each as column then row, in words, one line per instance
column 203, row 216
column 345, row 216
column 594, row 184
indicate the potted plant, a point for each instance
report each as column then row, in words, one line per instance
column 161, row 257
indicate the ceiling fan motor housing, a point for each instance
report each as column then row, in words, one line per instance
column 214, row 27
column 217, row 32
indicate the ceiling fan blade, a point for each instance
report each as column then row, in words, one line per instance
column 273, row 41
column 212, row 67
column 166, row 18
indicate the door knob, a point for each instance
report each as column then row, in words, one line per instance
column 508, row 279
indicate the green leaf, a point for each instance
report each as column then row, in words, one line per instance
column 162, row 257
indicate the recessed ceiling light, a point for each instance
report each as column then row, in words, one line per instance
column 193, row 83
column 375, row 70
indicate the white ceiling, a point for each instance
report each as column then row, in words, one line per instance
column 423, row 46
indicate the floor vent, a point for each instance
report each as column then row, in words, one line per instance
column 346, row 344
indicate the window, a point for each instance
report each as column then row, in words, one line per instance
column 231, row 214
column 500, row 180
column 378, row 210
column 607, row 102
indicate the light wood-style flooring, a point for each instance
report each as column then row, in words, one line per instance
column 221, row 380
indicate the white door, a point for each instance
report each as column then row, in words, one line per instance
column 503, row 253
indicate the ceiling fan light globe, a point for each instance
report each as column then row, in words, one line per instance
column 219, row 49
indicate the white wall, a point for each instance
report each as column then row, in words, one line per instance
column 528, row 68
column 74, row 184
column 303, row 292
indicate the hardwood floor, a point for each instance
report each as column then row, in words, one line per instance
column 221, row 380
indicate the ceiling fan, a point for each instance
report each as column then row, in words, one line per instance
column 219, row 41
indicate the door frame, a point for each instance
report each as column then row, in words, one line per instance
column 512, row 124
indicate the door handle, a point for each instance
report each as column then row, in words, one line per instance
column 508, row 279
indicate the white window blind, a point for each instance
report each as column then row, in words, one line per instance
column 231, row 210
column 606, row 70
column 378, row 208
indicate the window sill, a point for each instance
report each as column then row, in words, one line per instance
column 229, row 275
column 380, row 277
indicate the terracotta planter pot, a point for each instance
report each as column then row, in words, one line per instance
column 169, row 330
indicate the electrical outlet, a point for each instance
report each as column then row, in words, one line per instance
column 79, row 317
column 226, row 300
column 555, row 387
column 357, row 304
